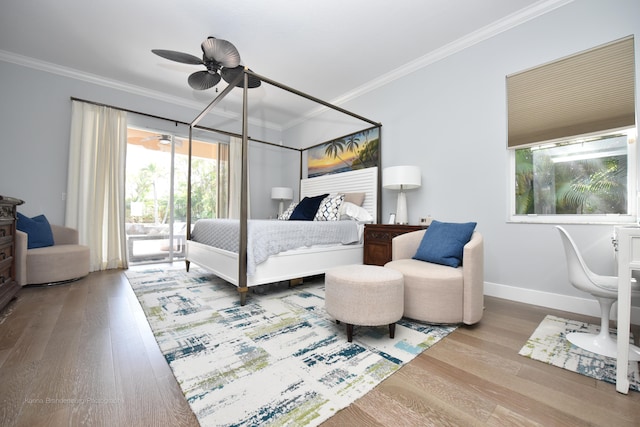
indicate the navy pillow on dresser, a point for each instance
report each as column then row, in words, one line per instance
column 38, row 230
column 307, row 208
column 443, row 242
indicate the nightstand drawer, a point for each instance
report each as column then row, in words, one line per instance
column 6, row 233
column 5, row 271
column 6, row 251
column 377, row 241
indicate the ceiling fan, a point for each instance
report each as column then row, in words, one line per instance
column 220, row 57
column 163, row 139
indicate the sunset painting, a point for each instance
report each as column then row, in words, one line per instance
column 355, row 151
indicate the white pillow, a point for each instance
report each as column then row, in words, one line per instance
column 350, row 211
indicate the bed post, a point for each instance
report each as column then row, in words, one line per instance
column 188, row 231
column 191, row 126
column 242, row 250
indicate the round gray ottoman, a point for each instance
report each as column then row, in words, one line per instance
column 364, row 295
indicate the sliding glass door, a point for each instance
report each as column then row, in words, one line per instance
column 156, row 192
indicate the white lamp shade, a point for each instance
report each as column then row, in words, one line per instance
column 281, row 193
column 401, row 177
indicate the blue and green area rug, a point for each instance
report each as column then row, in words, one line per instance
column 549, row 344
column 278, row 360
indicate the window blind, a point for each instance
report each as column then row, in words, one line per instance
column 588, row 92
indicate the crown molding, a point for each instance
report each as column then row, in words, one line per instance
column 93, row 79
column 538, row 9
column 60, row 70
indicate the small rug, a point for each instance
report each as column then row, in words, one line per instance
column 278, row 360
column 549, row 344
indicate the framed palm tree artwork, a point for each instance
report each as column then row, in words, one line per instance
column 355, row 151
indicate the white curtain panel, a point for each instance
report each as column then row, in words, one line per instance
column 235, row 179
column 95, row 184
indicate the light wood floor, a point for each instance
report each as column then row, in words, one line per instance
column 83, row 354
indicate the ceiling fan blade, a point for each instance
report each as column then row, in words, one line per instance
column 221, row 51
column 163, row 138
column 172, row 55
column 228, row 74
column 149, row 138
column 202, row 80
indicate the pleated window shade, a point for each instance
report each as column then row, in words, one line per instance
column 588, row 92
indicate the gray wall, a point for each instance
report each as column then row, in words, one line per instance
column 35, row 115
column 449, row 118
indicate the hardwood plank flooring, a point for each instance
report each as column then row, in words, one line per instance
column 83, row 354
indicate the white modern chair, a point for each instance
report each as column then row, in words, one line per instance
column 605, row 290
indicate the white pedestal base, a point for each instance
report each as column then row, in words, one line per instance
column 401, row 209
column 602, row 344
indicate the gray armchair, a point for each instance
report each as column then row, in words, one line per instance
column 436, row 293
column 65, row 261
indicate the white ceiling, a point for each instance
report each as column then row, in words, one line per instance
column 330, row 49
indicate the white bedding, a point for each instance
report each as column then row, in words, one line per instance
column 269, row 237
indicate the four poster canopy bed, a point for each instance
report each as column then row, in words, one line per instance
column 323, row 231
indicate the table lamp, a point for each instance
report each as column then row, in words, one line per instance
column 401, row 178
column 281, row 194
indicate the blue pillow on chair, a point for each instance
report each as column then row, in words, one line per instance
column 38, row 230
column 307, row 208
column 443, row 242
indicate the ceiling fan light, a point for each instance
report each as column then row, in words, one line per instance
column 221, row 51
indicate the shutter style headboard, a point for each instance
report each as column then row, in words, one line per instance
column 357, row 181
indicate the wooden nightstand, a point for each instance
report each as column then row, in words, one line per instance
column 377, row 241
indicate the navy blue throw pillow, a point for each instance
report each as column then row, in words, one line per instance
column 307, row 208
column 443, row 242
column 38, row 230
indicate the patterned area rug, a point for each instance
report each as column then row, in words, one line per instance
column 279, row 360
column 548, row 344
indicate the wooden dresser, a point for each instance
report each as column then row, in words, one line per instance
column 377, row 241
column 8, row 285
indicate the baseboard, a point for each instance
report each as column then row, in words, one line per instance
column 586, row 306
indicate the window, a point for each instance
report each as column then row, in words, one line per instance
column 571, row 138
column 589, row 179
